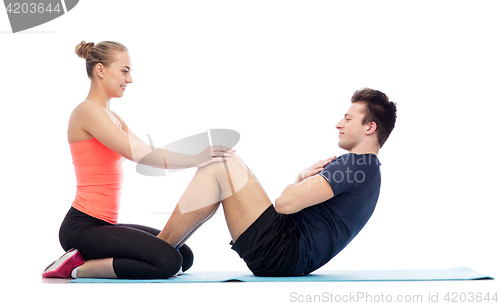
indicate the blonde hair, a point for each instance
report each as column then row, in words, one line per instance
column 102, row 53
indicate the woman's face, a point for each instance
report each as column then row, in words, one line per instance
column 117, row 75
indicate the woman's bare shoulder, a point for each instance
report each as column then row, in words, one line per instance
column 87, row 107
column 82, row 116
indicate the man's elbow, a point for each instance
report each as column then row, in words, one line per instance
column 284, row 206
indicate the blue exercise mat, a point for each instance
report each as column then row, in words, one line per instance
column 460, row 273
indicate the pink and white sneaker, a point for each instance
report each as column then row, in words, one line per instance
column 63, row 267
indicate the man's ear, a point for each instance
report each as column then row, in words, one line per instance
column 372, row 127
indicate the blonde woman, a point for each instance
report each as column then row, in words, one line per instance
column 95, row 244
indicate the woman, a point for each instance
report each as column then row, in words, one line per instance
column 99, row 142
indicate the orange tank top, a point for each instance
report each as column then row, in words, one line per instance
column 99, row 177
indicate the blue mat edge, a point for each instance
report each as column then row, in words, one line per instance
column 452, row 274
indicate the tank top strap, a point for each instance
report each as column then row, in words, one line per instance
column 119, row 122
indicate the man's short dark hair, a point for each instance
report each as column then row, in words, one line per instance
column 379, row 110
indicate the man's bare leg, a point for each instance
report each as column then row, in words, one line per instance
column 231, row 183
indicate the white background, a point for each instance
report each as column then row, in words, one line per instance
column 281, row 73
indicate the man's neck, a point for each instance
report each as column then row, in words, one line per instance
column 365, row 149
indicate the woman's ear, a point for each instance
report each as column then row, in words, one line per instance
column 99, row 69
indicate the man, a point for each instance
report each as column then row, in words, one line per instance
column 314, row 218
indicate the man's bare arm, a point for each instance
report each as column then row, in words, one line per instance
column 309, row 189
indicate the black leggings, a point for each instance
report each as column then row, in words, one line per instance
column 136, row 251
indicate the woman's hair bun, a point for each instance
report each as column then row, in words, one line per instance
column 83, row 49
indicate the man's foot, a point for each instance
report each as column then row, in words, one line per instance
column 63, row 267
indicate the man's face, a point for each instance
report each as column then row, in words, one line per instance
column 351, row 127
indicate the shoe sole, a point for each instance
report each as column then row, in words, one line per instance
column 72, row 256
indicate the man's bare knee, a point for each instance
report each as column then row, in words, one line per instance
column 232, row 176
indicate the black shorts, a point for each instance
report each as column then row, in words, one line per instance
column 270, row 246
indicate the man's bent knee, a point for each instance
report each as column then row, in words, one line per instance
column 216, row 182
column 232, row 177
